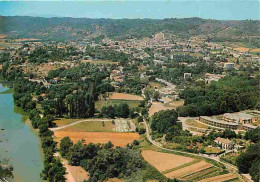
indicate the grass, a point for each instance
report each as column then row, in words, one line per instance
column 181, row 166
column 195, row 124
column 100, row 103
column 212, row 150
column 93, row 126
column 198, row 174
column 175, row 103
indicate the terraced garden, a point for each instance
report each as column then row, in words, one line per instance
column 187, row 168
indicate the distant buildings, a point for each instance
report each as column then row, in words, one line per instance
column 218, row 123
column 229, row 66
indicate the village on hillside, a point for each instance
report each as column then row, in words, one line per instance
column 186, row 108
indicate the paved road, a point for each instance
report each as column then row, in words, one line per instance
column 229, row 166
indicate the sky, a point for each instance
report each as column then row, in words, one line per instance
column 208, row 9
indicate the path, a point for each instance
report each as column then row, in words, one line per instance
column 231, row 167
column 77, row 122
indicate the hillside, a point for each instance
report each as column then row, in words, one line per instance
column 78, row 28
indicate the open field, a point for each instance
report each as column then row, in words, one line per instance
column 118, row 139
column 123, row 96
column 91, row 126
column 2, row 36
column 131, row 103
column 188, row 169
column 212, row 150
column 175, row 104
column 255, row 50
column 195, row 124
column 241, row 49
column 220, row 178
column 164, row 161
column 156, row 107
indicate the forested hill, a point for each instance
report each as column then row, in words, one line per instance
column 71, row 28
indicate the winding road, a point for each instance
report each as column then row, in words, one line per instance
column 229, row 166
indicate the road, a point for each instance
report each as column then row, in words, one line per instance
column 77, row 122
column 229, row 166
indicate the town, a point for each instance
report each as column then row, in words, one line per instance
column 180, row 109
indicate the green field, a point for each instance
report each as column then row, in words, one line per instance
column 92, row 126
column 99, row 104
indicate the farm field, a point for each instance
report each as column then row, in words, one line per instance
column 241, row 49
column 118, row 139
column 164, row 161
column 91, row 126
column 224, row 177
column 188, row 169
column 255, row 50
column 156, row 107
column 123, row 96
column 131, row 103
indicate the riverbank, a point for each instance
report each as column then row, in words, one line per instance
column 20, row 142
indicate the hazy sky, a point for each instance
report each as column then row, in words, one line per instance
column 217, row 9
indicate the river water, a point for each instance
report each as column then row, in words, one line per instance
column 18, row 142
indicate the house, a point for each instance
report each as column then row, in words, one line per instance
column 187, row 75
column 229, row 66
column 225, row 143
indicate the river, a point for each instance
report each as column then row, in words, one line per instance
column 18, row 142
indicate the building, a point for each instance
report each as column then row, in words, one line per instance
column 225, row 143
column 248, row 127
column 229, row 66
column 218, row 123
column 240, row 117
column 187, row 75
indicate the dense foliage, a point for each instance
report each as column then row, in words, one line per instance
column 70, row 28
column 162, row 121
column 249, row 161
column 229, row 94
column 106, row 161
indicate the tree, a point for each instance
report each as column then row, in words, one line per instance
column 162, row 121
column 249, row 161
column 65, row 145
column 253, row 135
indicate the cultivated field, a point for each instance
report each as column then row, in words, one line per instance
column 188, row 170
column 224, row 177
column 255, row 50
column 164, row 161
column 156, row 107
column 118, row 139
column 241, row 49
column 123, row 96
